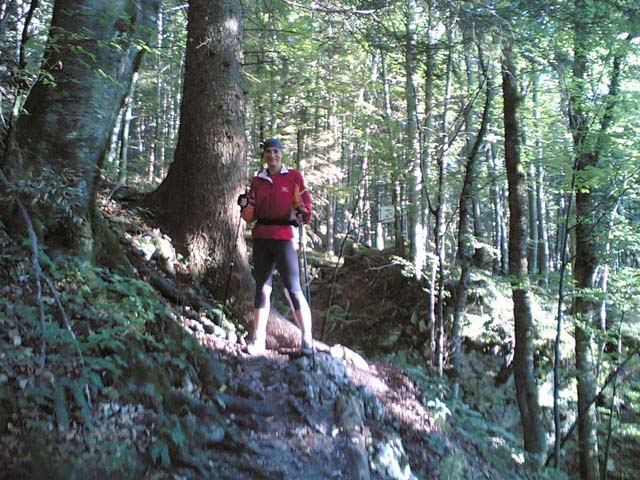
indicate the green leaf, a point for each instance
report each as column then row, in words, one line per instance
column 60, row 407
column 177, row 435
column 78, row 394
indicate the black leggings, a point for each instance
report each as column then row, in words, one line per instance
column 269, row 253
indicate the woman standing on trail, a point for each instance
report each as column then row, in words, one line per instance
column 277, row 200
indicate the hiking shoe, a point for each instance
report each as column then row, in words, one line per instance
column 256, row 347
column 306, row 347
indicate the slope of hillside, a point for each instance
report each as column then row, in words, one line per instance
column 135, row 384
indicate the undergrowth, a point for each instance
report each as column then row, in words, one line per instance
column 466, row 441
column 109, row 396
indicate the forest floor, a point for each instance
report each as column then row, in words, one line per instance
column 334, row 415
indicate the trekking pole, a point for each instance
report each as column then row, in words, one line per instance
column 304, row 265
column 233, row 257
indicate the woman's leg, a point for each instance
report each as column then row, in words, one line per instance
column 301, row 314
column 263, row 265
column 286, row 260
column 261, row 315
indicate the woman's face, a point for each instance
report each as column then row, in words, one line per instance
column 273, row 157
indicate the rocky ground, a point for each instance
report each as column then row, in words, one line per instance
column 330, row 415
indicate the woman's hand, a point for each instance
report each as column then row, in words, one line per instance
column 243, row 200
column 301, row 216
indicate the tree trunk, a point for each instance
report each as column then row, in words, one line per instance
column 196, row 201
column 161, row 120
column 123, row 151
column 396, row 193
column 414, row 175
column 65, row 135
column 466, row 242
column 439, row 212
column 428, row 131
column 586, row 262
column 532, row 246
column 542, row 250
column 523, row 368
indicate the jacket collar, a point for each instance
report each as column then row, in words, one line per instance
column 264, row 173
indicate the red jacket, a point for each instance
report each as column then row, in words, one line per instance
column 274, row 200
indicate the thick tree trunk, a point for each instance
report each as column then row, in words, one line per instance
column 72, row 110
column 196, row 201
column 526, row 388
column 584, row 308
column 586, row 260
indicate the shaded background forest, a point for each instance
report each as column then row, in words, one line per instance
column 432, row 131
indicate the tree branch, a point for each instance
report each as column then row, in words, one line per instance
column 25, row 32
column 613, row 375
column 33, row 243
column 39, row 275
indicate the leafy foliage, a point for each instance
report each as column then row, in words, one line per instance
column 134, row 362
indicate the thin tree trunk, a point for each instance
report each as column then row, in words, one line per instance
column 526, row 389
column 396, row 194
column 542, row 250
column 414, row 174
column 439, row 211
column 428, row 134
column 466, row 243
column 123, row 153
column 532, row 201
column 160, row 119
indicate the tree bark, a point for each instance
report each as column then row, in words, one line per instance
column 542, row 250
column 196, row 201
column 92, row 53
column 466, row 242
column 439, row 212
column 585, row 264
column 526, row 388
column 414, row 175
column 396, row 192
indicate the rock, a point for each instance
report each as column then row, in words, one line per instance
column 333, row 369
column 344, row 353
column 232, row 337
column 211, row 328
column 349, row 412
column 391, row 460
column 213, row 433
column 391, row 340
column 165, row 254
column 373, row 409
column 187, row 384
column 212, row 373
column 145, row 247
